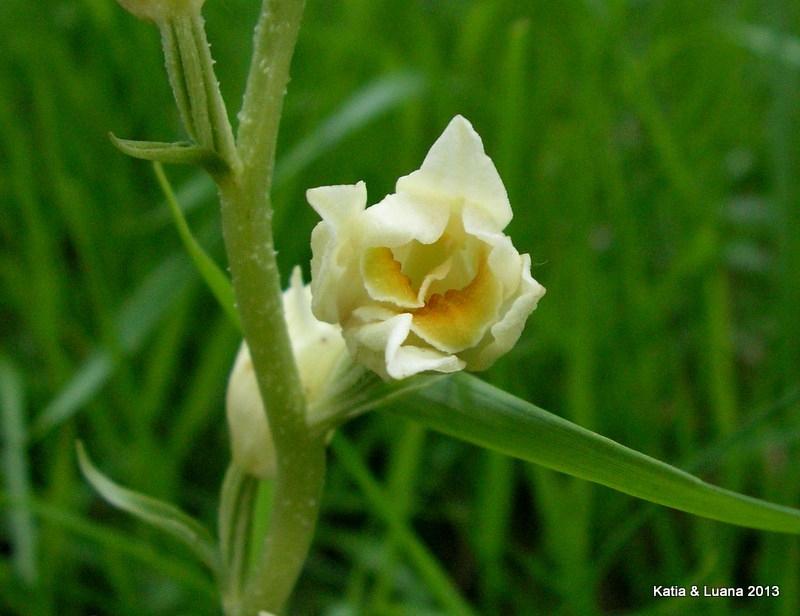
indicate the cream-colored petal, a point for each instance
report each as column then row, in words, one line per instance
column 419, row 261
column 437, row 274
column 369, row 340
column 397, row 220
column 325, row 272
column 334, row 259
column 409, row 360
column 380, row 345
column 371, row 312
column 457, row 167
column 297, row 303
column 505, row 263
column 338, row 204
column 317, row 346
column 403, row 361
column 505, row 333
column 425, row 280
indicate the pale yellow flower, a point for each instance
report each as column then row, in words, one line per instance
column 318, row 350
column 425, row 280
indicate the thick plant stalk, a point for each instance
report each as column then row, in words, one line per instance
column 242, row 169
column 247, row 218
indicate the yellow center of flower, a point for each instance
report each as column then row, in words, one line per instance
column 451, row 321
column 385, row 281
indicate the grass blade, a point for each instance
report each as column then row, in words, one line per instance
column 216, row 280
column 112, row 539
column 161, row 515
column 16, row 470
column 472, row 410
column 381, row 502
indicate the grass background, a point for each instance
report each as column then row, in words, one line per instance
column 651, row 153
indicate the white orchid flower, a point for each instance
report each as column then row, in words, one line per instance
column 318, row 348
column 425, row 280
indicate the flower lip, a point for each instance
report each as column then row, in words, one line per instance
column 385, row 281
column 459, row 318
column 424, row 280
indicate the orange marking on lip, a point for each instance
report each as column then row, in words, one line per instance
column 384, row 279
column 457, row 320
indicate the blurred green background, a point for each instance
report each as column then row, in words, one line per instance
column 651, row 153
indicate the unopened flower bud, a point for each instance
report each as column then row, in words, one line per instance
column 251, row 439
column 318, row 349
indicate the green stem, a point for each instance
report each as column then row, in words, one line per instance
column 276, row 34
column 244, row 184
column 300, row 457
column 246, row 220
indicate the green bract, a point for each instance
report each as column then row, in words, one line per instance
column 162, row 10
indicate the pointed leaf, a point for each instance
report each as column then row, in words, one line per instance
column 472, row 410
column 237, row 517
column 113, row 539
column 161, row 515
column 159, row 151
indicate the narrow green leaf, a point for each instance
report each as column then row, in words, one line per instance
column 112, row 539
column 216, row 280
column 236, row 519
column 16, row 470
column 162, row 515
column 381, row 502
column 465, row 407
column 490, row 531
column 179, row 153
